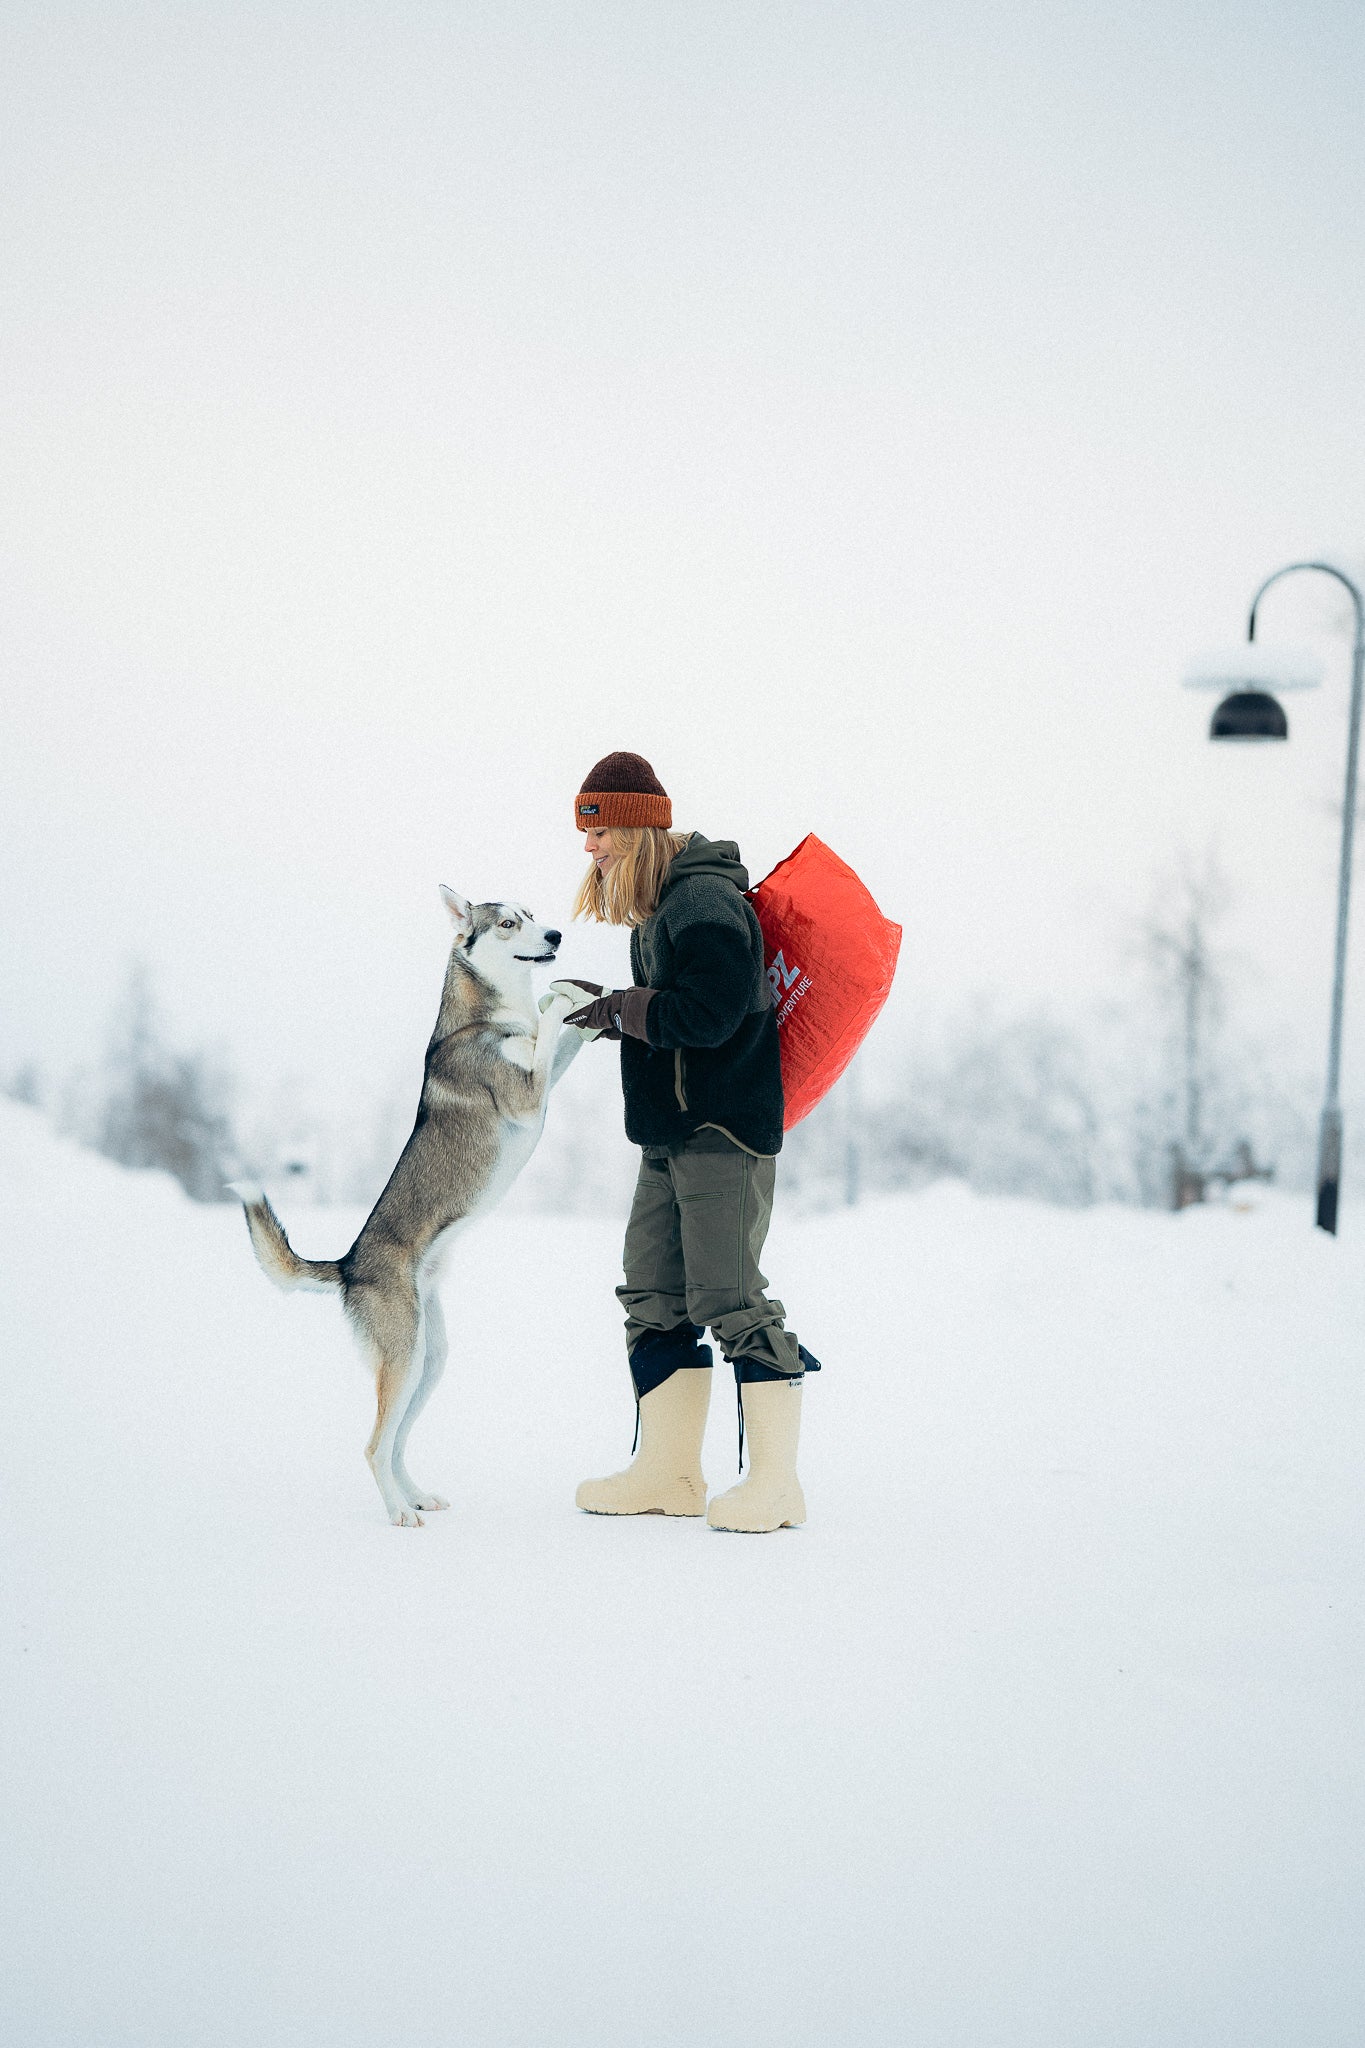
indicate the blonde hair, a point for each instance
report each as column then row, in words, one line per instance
column 629, row 892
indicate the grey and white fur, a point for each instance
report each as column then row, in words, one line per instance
column 490, row 1065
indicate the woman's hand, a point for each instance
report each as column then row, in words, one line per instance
column 617, row 1013
column 572, row 992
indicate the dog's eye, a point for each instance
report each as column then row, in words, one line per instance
column 508, row 925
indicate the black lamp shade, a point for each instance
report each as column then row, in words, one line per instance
column 1249, row 715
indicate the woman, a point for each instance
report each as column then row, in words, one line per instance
column 703, row 1094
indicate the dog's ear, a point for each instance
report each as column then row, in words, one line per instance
column 461, row 912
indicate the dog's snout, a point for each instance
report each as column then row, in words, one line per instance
column 553, row 938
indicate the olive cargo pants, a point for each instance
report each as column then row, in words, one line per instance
column 693, row 1242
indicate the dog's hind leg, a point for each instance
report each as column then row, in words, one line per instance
column 394, row 1326
column 434, row 1325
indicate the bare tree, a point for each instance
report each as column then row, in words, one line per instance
column 1189, row 977
column 1210, row 1095
column 25, row 1085
column 162, row 1108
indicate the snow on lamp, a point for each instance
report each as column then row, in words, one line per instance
column 1252, row 680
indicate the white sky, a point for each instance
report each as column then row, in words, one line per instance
column 861, row 410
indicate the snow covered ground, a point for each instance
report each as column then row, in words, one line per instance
column 1045, row 1731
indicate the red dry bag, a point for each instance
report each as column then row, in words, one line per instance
column 830, row 956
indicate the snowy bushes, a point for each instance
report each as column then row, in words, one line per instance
column 1010, row 1106
column 152, row 1106
column 1028, row 1105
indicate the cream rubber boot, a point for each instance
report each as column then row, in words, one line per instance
column 771, row 1496
column 666, row 1477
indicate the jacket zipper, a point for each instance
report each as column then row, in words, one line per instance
column 678, row 1078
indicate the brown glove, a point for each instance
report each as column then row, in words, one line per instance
column 620, row 1013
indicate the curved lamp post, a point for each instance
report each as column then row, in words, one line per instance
column 1251, row 712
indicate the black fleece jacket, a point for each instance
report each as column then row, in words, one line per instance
column 712, row 1060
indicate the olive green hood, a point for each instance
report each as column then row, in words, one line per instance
column 702, row 856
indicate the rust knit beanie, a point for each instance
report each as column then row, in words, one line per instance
column 622, row 790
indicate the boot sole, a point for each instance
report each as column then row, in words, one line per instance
column 675, row 1514
column 729, row 1529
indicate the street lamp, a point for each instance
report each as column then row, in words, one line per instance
column 1251, row 712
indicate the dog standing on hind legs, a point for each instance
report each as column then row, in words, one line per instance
column 490, row 1066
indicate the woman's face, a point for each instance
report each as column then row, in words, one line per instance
column 600, row 848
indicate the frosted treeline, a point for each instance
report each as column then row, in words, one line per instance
column 1032, row 1106
column 1130, row 1102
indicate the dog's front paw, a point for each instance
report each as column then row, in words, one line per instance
column 568, row 995
column 429, row 1503
column 405, row 1518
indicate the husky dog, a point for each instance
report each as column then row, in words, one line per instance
column 490, row 1066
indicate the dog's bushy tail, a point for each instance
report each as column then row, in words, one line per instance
column 275, row 1255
